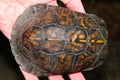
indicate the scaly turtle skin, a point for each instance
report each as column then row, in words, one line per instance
column 48, row 40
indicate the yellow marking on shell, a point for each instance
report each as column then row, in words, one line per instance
column 69, row 47
column 69, row 33
column 75, row 36
column 69, row 58
column 85, row 54
column 82, row 22
column 100, row 41
column 82, row 57
column 34, row 43
column 92, row 47
column 45, row 17
column 63, row 56
column 82, row 36
column 73, row 40
column 54, row 39
column 47, row 46
column 92, row 41
column 97, row 41
column 67, row 19
column 26, row 41
column 35, row 38
column 92, row 35
column 32, row 33
column 76, row 49
column 83, row 40
column 64, row 14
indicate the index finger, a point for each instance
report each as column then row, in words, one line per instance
column 77, row 76
column 75, row 5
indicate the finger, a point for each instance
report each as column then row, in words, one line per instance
column 56, row 77
column 75, row 5
column 76, row 76
column 27, row 3
column 53, row 2
column 28, row 76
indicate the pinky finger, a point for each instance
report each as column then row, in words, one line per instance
column 56, row 77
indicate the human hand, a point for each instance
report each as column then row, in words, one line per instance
column 11, row 9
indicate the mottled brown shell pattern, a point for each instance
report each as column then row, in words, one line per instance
column 49, row 40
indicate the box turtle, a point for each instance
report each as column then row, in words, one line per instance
column 49, row 40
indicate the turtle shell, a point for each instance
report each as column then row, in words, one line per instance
column 48, row 40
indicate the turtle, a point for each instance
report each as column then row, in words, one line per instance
column 50, row 40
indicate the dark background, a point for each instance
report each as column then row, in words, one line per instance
column 109, row 10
